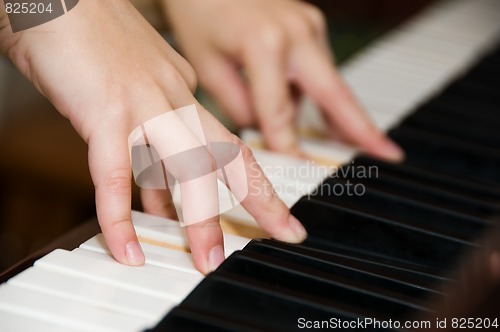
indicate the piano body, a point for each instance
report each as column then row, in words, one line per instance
column 380, row 256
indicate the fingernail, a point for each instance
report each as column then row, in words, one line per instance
column 298, row 230
column 134, row 253
column 393, row 151
column 215, row 257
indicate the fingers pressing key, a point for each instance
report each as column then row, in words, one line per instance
column 111, row 172
column 319, row 79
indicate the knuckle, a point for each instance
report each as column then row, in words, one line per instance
column 117, row 182
column 270, row 38
column 299, row 25
column 173, row 76
column 246, row 152
column 189, row 75
column 119, row 223
column 184, row 169
column 317, row 17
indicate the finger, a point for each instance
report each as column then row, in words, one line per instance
column 111, row 173
column 266, row 69
column 268, row 209
column 207, row 245
column 222, row 79
column 158, row 202
column 200, row 210
column 318, row 78
column 178, row 142
column 205, row 239
column 261, row 201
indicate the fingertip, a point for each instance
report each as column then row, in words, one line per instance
column 391, row 151
column 293, row 233
column 209, row 262
column 207, row 245
column 215, row 258
column 297, row 228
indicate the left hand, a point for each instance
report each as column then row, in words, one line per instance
column 251, row 55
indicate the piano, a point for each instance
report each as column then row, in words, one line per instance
column 413, row 246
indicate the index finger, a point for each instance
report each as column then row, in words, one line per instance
column 319, row 79
column 261, row 201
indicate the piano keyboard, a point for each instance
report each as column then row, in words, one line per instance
column 377, row 255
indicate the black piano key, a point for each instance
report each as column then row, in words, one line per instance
column 469, row 190
column 474, row 90
column 400, row 209
column 484, row 76
column 362, row 293
column 412, row 274
column 331, row 226
column 184, row 320
column 455, row 127
column 466, row 113
column 448, row 200
column 360, row 272
column 445, row 155
column 253, row 303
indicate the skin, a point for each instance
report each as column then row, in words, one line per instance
column 281, row 46
column 107, row 70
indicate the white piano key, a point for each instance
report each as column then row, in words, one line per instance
column 168, row 231
column 106, row 270
column 328, row 150
column 387, row 88
column 430, row 63
column 93, row 293
column 159, row 229
column 383, row 121
column 190, row 278
column 155, row 255
column 336, row 152
column 277, row 165
column 178, row 262
column 12, row 322
column 413, row 40
column 68, row 313
column 409, row 71
column 233, row 243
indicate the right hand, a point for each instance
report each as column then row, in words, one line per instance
column 255, row 57
column 108, row 71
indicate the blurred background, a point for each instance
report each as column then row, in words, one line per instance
column 46, row 188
